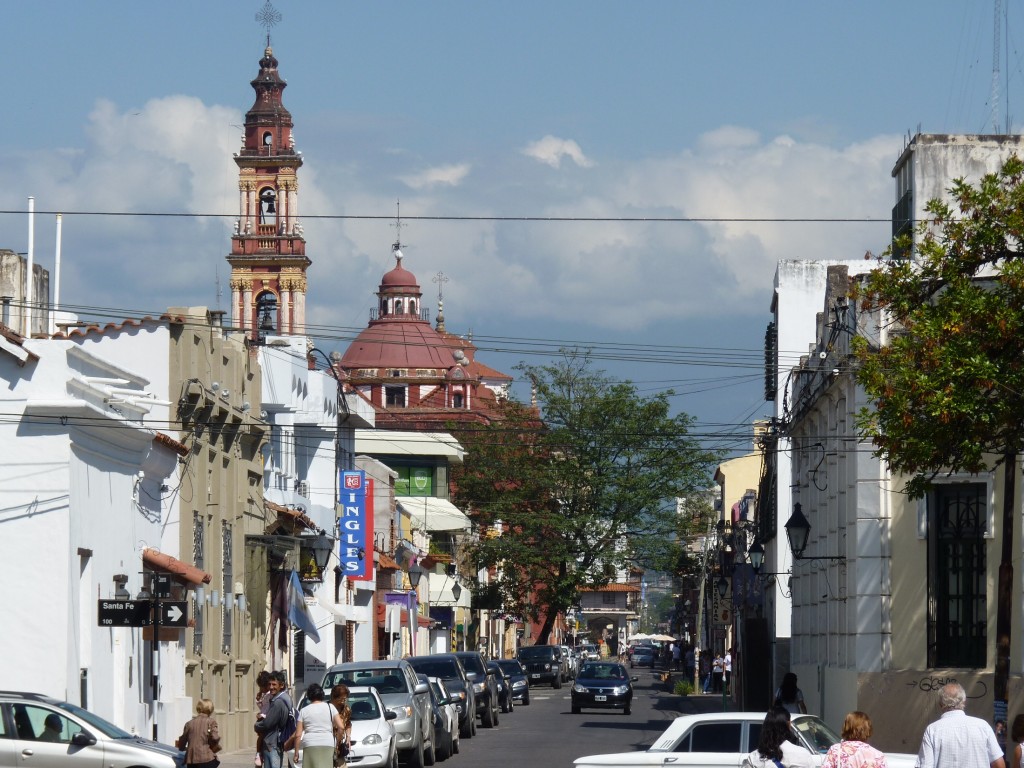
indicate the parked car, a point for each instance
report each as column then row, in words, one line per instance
column 569, row 663
column 83, row 739
column 642, row 656
column 448, row 667
column 542, row 664
column 602, row 685
column 442, row 727
column 516, row 676
column 588, row 651
column 450, row 716
column 723, row 738
column 504, row 687
column 373, row 736
column 485, row 687
column 402, row 693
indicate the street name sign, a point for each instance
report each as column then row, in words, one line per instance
column 124, row 613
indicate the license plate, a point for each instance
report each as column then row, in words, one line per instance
column 535, row 674
column 600, row 698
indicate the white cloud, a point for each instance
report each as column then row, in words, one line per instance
column 442, row 175
column 730, row 207
column 550, row 150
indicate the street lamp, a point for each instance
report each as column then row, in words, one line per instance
column 798, row 530
column 319, row 548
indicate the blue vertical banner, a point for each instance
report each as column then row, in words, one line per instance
column 356, row 525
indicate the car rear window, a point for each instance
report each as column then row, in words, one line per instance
column 385, row 680
column 472, row 663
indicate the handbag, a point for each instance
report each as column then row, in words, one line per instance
column 341, row 754
column 214, row 746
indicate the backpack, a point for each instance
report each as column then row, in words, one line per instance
column 288, row 729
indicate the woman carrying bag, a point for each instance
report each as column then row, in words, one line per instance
column 200, row 739
column 316, row 729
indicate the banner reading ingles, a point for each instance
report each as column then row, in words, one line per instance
column 356, row 525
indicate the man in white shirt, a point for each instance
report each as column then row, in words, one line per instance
column 957, row 740
column 728, row 667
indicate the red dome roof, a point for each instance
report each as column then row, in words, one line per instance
column 398, row 343
column 399, row 277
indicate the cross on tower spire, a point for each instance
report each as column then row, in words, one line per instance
column 268, row 16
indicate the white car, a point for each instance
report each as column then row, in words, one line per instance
column 722, row 739
column 450, row 713
column 373, row 735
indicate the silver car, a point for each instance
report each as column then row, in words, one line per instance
column 49, row 733
column 402, row 693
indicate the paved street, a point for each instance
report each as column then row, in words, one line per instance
column 545, row 734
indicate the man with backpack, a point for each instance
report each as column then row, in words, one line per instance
column 279, row 724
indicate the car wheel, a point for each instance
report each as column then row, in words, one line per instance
column 488, row 719
column 575, row 709
column 494, row 708
column 473, row 726
column 557, row 683
column 466, row 729
column 455, row 745
column 416, row 756
column 430, row 753
column 627, row 710
column 526, row 699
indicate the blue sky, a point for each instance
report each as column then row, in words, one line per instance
column 595, row 109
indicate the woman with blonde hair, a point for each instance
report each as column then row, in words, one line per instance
column 854, row 751
column 200, row 739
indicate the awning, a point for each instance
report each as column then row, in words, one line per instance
column 383, row 561
column 420, row 620
column 428, row 513
column 183, row 572
column 389, row 442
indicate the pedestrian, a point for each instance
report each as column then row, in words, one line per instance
column 956, row 738
column 774, row 748
column 705, row 671
column 677, row 656
column 688, row 663
column 854, row 751
column 271, row 725
column 339, row 698
column 717, row 672
column 316, row 730
column 200, row 739
column 790, row 696
column 727, row 668
column 1017, row 735
column 263, row 697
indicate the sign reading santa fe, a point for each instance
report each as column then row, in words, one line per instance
column 356, row 525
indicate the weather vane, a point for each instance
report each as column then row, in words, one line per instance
column 267, row 17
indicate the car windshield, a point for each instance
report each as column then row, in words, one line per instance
column 363, row 706
column 472, row 663
column 532, row 654
column 384, row 679
column 602, row 672
column 107, row 729
column 446, row 668
column 818, row 736
column 511, row 667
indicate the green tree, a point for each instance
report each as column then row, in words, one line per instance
column 581, row 486
column 948, row 387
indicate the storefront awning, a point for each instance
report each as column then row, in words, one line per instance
column 428, row 513
column 420, row 620
column 183, row 572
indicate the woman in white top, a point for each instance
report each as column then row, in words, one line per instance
column 775, row 750
column 315, row 730
column 790, row 696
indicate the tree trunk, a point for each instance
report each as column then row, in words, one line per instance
column 546, row 627
column 1004, row 598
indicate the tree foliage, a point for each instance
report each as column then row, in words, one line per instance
column 580, row 487
column 948, row 388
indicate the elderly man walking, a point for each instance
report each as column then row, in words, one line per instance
column 957, row 740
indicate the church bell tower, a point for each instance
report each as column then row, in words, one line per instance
column 268, row 253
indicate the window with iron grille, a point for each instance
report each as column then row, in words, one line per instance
column 608, row 598
column 958, row 601
column 197, row 557
column 229, row 586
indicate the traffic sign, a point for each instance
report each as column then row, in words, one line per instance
column 124, row 613
column 162, row 584
column 173, row 613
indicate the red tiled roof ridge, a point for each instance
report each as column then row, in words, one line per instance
column 96, row 329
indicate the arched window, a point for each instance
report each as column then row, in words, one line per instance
column 383, row 307
column 266, row 312
column 457, row 400
column 398, row 306
column 412, row 306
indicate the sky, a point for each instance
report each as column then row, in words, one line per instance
column 620, row 177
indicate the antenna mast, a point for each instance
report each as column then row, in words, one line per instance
column 995, row 65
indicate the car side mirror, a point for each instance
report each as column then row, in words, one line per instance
column 471, row 676
column 83, row 739
column 388, row 715
column 492, row 672
column 421, row 688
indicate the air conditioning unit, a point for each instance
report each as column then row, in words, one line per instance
column 304, row 488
